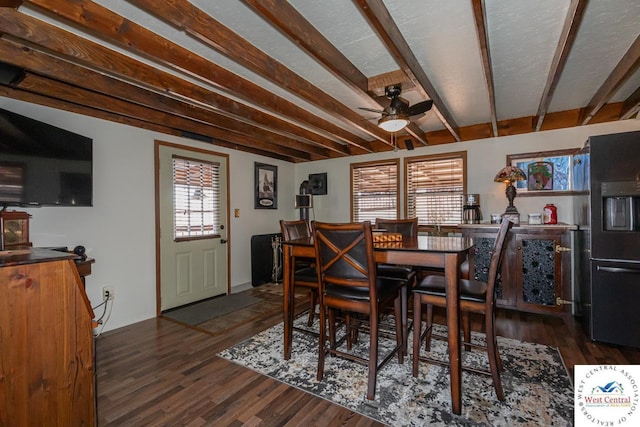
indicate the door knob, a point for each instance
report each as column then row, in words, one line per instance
column 223, row 241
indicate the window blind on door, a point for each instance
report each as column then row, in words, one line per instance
column 196, row 198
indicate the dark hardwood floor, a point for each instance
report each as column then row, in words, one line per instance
column 158, row 372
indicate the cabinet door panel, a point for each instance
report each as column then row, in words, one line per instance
column 539, row 271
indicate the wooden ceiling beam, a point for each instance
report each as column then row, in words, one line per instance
column 195, row 22
column 89, row 54
column 293, row 25
column 380, row 20
column 108, row 25
column 480, row 19
column 416, row 133
column 627, row 66
column 555, row 120
column 58, row 104
column 47, row 101
column 40, row 63
column 631, row 105
column 565, row 43
column 10, row 3
column 377, row 84
column 77, row 95
column 298, row 29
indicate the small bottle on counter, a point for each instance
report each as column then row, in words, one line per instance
column 550, row 214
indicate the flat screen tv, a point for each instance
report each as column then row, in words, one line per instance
column 43, row 165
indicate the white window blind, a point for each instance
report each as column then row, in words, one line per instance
column 374, row 191
column 196, row 198
column 435, row 188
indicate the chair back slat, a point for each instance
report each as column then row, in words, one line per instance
column 406, row 227
column 292, row 230
column 344, row 254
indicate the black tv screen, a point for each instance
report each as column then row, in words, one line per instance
column 43, row 165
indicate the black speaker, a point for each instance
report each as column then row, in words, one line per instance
column 10, row 75
column 409, row 144
column 196, row 136
column 80, row 251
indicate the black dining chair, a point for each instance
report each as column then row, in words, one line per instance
column 409, row 229
column 475, row 297
column 349, row 284
column 304, row 273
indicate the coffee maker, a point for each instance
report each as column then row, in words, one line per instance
column 471, row 209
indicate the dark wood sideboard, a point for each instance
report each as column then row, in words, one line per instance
column 47, row 362
column 536, row 270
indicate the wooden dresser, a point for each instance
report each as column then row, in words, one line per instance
column 47, row 359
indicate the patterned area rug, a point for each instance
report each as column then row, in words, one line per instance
column 537, row 387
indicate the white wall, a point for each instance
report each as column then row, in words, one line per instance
column 118, row 231
column 485, row 158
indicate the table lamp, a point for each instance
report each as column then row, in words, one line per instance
column 508, row 175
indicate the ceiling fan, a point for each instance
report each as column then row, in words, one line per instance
column 396, row 116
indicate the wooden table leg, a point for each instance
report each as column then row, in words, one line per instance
column 452, row 263
column 404, row 302
column 288, row 300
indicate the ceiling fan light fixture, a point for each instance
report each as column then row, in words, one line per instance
column 393, row 122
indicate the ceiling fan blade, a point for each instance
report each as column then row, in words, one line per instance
column 373, row 110
column 420, row 107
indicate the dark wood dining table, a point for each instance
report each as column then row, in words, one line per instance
column 421, row 251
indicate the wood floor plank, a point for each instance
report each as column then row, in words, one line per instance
column 159, row 372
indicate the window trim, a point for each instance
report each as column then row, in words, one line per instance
column 386, row 162
column 429, row 157
column 512, row 159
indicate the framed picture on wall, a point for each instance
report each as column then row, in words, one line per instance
column 540, row 176
column 266, row 186
column 318, row 183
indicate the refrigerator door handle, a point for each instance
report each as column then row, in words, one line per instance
column 618, row 270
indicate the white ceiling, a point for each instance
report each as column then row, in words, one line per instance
column 522, row 36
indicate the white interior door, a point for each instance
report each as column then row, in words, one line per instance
column 192, row 230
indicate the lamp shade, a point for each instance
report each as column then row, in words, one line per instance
column 393, row 122
column 510, row 174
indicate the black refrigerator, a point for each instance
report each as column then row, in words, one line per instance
column 610, row 294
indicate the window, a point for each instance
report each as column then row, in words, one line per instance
column 375, row 190
column 196, row 198
column 435, row 187
column 551, row 172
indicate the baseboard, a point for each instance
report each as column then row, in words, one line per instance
column 241, row 287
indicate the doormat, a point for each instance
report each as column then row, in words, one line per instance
column 536, row 384
column 202, row 311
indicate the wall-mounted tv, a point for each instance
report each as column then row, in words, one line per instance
column 43, row 165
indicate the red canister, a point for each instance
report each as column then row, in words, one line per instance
column 550, row 214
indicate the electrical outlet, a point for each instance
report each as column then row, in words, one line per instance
column 107, row 293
